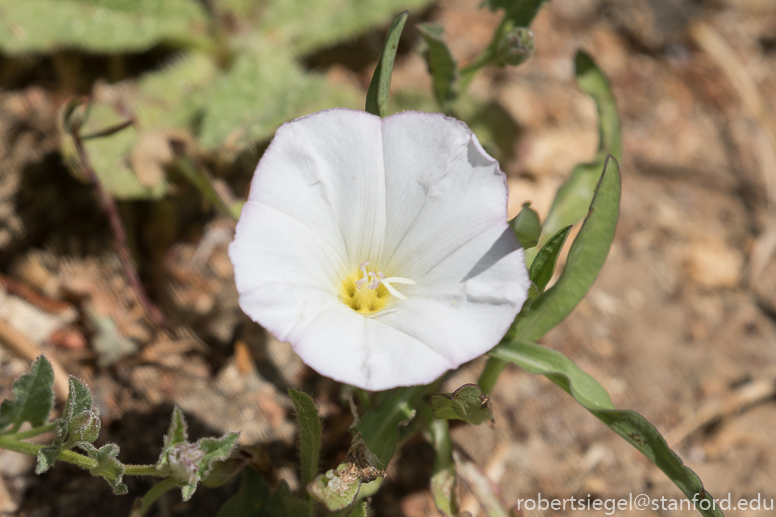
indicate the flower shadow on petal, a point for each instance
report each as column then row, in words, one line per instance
column 504, row 245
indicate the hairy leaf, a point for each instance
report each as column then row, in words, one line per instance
column 99, row 25
column 303, row 26
column 634, row 428
column 79, row 425
column 190, row 463
column 380, row 86
column 263, row 89
column 32, row 397
column 466, row 403
column 108, row 466
column 309, row 434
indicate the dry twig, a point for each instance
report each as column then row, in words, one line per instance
column 19, row 345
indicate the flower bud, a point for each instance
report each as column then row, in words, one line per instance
column 515, row 46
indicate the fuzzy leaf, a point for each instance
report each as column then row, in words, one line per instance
column 190, row 463
column 441, row 64
column 466, row 403
column 527, row 227
column 303, row 26
column 380, row 86
column 78, row 424
column 99, row 25
column 309, row 434
column 263, row 89
column 543, row 266
column 634, row 428
column 32, row 397
column 108, row 466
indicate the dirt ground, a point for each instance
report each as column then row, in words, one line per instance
column 679, row 326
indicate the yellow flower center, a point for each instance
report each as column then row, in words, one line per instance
column 368, row 292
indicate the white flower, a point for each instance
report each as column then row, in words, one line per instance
column 379, row 248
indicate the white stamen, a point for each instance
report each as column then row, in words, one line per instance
column 360, row 283
column 397, row 280
column 377, row 278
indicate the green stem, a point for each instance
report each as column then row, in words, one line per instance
column 35, row 431
column 490, row 375
column 153, row 494
column 12, row 442
column 468, row 72
column 143, row 470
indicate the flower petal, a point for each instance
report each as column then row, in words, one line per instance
column 416, row 196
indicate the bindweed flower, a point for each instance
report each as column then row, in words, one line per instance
column 379, row 248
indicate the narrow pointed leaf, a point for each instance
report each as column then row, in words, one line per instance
column 466, row 403
column 309, row 434
column 32, row 397
column 441, row 64
column 585, row 259
column 543, row 266
column 573, row 198
column 634, row 428
column 380, row 86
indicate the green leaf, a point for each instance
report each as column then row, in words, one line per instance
column 527, row 227
column 255, row 500
column 441, row 64
column 380, row 426
column 264, row 88
column 309, row 434
column 634, row 428
column 305, row 26
column 543, row 266
column 466, row 403
column 574, row 196
column 79, row 425
column 380, row 86
column 585, row 259
column 108, row 466
column 520, row 12
column 108, row 26
column 250, row 499
column 190, row 463
column 32, row 397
